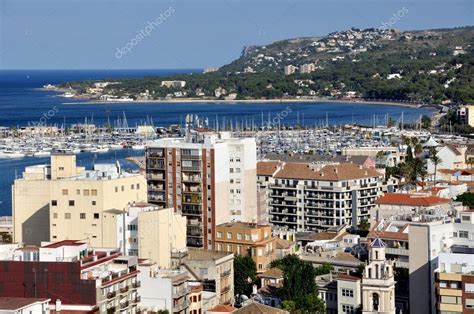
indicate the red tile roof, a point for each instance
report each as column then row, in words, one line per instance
column 222, row 308
column 339, row 172
column 267, row 168
column 411, row 199
column 347, row 277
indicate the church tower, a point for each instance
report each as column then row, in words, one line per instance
column 378, row 284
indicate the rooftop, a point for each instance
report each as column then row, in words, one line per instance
column 15, row 304
column 411, row 199
column 256, row 308
column 340, row 172
column 204, row 255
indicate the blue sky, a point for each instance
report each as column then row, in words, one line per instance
column 72, row 34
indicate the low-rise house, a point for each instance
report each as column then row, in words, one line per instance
column 452, row 157
column 163, row 289
column 285, row 247
column 248, row 239
column 24, row 305
column 213, row 269
column 254, row 308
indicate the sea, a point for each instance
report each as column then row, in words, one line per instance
column 23, row 103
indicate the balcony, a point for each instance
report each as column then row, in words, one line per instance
column 180, row 292
column 137, row 299
column 111, row 295
column 137, row 284
column 180, row 306
column 396, row 251
column 124, row 305
column 152, row 176
column 154, row 165
column 124, row 289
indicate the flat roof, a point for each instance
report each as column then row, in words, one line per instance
column 9, row 303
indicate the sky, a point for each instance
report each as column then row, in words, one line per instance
column 190, row 34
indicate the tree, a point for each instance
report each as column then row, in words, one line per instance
column 299, row 291
column 436, row 160
column 325, row 268
column 364, row 225
column 244, row 268
column 467, row 199
column 425, row 122
column 409, row 157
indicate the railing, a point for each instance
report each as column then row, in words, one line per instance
column 180, row 292
column 136, row 284
column 124, row 289
column 181, row 306
column 396, row 251
column 124, row 304
column 111, row 295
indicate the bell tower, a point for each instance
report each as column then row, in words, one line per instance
column 378, row 284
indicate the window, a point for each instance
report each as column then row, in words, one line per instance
column 229, row 235
column 132, row 186
column 219, row 247
column 54, row 203
column 78, row 192
column 443, row 284
column 96, row 215
column 237, row 170
column 229, row 248
column 347, row 308
column 94, row 203
column 464, row 234
column 454, row 285
column 123, row 188
column 237, row 181
column 260, row 266
column 239, row 236
column 465, row 218
column 247, row 237
column 67, row 215
column 71, row 203
column 219, row 234
column 348, row 293
column 116, row 189
column 82, row 215
column 94, row 192
column 469, row 287
column 138, row 186
column 85, row 192
column 65, row 192
column 55, row 215
column 61, row 168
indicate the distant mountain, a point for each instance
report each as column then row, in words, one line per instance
column 425, row 66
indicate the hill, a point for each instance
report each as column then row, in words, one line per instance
column 425, row 66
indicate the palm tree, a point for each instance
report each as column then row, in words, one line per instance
column 436, row 160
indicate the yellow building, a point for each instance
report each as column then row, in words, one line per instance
column 62, row 201
column 249, row 239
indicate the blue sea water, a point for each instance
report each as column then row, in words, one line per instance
column 21, row 103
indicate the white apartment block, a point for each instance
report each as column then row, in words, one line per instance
column 427, row 240
column 151, row 233
column 163, row 289
column 208, row 177
column 309, row 197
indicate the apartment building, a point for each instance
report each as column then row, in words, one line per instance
column 163, row 289
column 62, row 201
column 428, row 238
column 208, row 177
column 309, row 197
column 74, row 277
column 151, row 233
column 214, row 270
column 290, row 69
column 455, row 283
column 249, row 239
column 395, row 236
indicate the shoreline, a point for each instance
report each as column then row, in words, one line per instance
column 86, row 100
column 245, row 101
